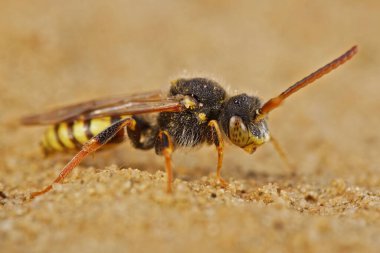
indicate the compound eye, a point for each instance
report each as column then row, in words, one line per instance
column 238, row 132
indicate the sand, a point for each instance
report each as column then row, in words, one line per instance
column 53, row 54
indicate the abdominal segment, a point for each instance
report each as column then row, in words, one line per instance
column 72, row 135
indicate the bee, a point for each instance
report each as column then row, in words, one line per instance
column 194, row 111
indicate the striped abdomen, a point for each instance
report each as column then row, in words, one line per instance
column 72, row 135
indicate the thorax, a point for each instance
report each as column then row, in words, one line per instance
column 203, row 99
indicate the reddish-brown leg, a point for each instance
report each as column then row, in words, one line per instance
column 91, row 146
column 217, row 139
column 166, row 145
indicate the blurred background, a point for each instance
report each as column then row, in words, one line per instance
column 54, row 53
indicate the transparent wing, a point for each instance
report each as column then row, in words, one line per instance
column 148, row 102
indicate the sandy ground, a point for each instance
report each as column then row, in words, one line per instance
column 53, row 54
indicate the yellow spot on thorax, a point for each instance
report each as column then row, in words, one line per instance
column 202, row 117
column 189, row 103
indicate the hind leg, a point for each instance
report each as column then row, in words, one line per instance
column 90, row 147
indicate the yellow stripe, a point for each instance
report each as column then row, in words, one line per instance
column 45, row 142
column 63, row 135
column 79, row 131
column 52, row 140
column 98, row 125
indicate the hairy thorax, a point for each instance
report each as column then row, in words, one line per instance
column 190, row 127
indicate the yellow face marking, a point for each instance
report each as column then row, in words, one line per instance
column 63, row 134
column 52, row 140
column 250, row 148
column 242, row 137
column 238, row 132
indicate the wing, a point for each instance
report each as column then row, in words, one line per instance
column 148, row 102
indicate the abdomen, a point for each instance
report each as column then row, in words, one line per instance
column 72, row 135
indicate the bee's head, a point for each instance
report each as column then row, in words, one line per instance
column 241, row 123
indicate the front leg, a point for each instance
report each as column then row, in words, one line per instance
column 282, row 154
column 217, row 139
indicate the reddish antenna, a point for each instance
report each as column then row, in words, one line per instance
column 277, row 101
